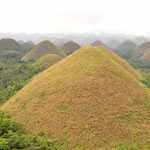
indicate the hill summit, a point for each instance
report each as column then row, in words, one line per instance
column 70, row 47
column 10, row 44
column 41, row 49
column 127, row 46
column 87, row 101
column 98, row 43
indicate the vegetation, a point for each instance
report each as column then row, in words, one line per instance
column 127, row 46
column 41, row 49
column 98, row 43
column 10, row 44
column 15, row 74
column 87, row 101
column 46, row 61
column 12, row 136
column 70, row 47
column 141, row 49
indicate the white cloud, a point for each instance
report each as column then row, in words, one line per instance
column 115, row 16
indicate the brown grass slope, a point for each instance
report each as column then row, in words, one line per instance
column 121, row 61
column 146, row 55
column 87, row 100
column 141, row 49
column 47, row 61
column 70, row 47
column 41, row 49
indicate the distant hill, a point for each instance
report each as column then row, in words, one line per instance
column 87, row 101
column 20, row 41
column 140, row 40
column 141, row 49
column 70, row 47
column 47, row 61
column 98, row 43
column 146, row 55
column 127, row 45
column 10, row 54
column 113, row 44
column 10, row 44
column 41, row 49
column 121, row 61
column 28, row 45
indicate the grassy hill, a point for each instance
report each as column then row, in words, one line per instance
column 10, row 44
column 28, row 45
column 87, row 101
column 146, row 55
column 98, row 43
column 10, row 54
column 121, row 61
column 127, row 45
column 47, row 61
column 114, row 43
column 141, row 49
column 70, row 47
column 41, row 49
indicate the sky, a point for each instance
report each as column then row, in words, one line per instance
column 75, row 16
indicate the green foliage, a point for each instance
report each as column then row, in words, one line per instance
column 13, row 76
column 3, row 144
column 121, row 147
column 12, row 136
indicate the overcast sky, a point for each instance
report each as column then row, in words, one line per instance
column 50, row 16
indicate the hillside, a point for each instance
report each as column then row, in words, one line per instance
column 47, row 61
column 28, row 45
column 127, row 45
column 113, row 43
column 121, row 61
column 140, row 40
column 70, row 47
column 87, row 101
column 41, row 49
column 98, row 43
column 10, row 44
column 146, row 55
column 10, row 54
column 141, row 49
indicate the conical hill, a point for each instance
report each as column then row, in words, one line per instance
column 41, row 49
column 87, row 101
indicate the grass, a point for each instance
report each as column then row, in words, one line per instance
column 90, row 98
column 70, row 47
column 46, row 61
column 41, row 49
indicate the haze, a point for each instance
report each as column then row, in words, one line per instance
column 96, row 16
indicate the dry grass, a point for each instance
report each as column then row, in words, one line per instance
column 87, row 100
column 141, row 49
column 120, row 61
column 70, row 47
column 146, row 55
column 47, row 61
column 41, row 49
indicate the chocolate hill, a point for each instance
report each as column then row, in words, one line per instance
column 89, row 100
column 70, row 47
column 41, row 49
